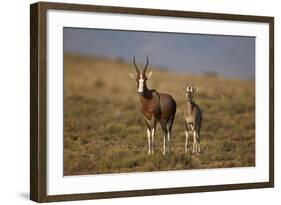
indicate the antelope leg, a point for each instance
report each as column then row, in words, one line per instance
column 169, row 140
column 148, row 140
column 198, row 143
column 164, row 143
column 194, row 147
column 186, row 140
column 152, row 140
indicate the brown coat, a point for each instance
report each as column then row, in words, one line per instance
column 156, row 105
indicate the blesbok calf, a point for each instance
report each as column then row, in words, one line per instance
column 156, row 107
column 193, row 119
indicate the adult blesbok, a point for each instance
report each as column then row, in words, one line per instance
column 193, row 119
column 156, row 107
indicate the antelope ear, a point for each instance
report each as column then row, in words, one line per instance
column 148, row 75
column 196, row 89
column 133, row 76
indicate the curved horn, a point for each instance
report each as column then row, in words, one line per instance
column 135, row 65
column 145, row 67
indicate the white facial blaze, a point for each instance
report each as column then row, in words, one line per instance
column 140, row 88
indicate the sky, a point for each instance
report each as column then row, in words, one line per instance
column 228, row 56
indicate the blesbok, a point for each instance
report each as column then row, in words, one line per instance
column 193, row 119
column 156, row 107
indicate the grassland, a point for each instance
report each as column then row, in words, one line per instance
column 104, row 130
